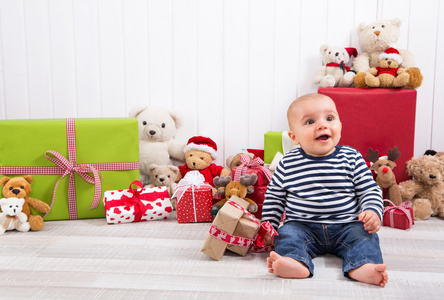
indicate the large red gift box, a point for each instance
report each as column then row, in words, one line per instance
column 256, row 166
column 194, row 199
column 379, row 119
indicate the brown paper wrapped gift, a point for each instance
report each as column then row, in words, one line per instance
column 230, row 221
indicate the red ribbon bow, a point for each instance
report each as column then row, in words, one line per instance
column 402, row 207
column 255, row 163
column 342, row 66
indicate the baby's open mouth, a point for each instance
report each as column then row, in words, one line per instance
column 323, row 137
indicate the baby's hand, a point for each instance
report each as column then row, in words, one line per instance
column 371, row 220
column 268, row 239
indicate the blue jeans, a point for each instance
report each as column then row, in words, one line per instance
column 304, row 241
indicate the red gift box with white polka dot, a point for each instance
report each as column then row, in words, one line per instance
column 151, row 204
column 195, row 209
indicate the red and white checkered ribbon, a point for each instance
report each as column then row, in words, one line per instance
column 402, row 207
column 69, row 167
column 255, row 163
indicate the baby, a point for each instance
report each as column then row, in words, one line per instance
column 331, row 202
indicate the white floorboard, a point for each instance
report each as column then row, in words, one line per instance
column 88, row 259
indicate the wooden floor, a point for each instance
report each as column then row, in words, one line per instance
column 88, row 259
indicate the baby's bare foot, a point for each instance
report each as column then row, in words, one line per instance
column 370, row 273
column 286, row 267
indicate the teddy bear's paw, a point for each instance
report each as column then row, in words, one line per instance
column 359, row 80
column 401, row 80
column 24, row 227
column 327, row 81
column 371, row 81
column 415, row 79
column 35, row 222
column 348, row 79
column 422, row 209
column 253, row 208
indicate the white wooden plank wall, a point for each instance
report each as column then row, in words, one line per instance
column 230, row 67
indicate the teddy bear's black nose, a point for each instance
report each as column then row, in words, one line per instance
column 389, row 62
column 432, row 176
column 161, row 179
column 337, row 53
column 16, row 191
column 152, row 132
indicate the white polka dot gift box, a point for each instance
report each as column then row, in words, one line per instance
column 135, row 205
column 194, row 199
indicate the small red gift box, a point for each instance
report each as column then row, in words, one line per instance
column 194, row 199
column 135, row 205
column 398, row 216
column 256, row 166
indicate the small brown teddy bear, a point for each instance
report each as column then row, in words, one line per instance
column 234, row 161
column 20, row 187
column 426, row 189
column 199, row 155
column 164, row 175
column 388, row 74
column 239, row 188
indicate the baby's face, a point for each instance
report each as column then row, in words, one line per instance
column 315, row 125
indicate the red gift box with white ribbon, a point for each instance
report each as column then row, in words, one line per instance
column 398, row 216
column 135, row 205
column 194, row 199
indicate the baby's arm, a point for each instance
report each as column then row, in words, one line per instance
column 371, row 220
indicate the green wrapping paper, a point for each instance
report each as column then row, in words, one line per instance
column 108, row 140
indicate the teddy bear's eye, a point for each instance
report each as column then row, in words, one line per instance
column 379, row 165
column 387, row 164
column 11, row 188
column 144, row 123
column 202, row 158
column 383, row 26
column 168, row 176
column 22, row 186
column 163, row 125
column 329, row 52
column 157, row 176
column 10, row 206
column 191, row 155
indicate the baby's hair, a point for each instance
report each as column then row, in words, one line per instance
column 302, row 98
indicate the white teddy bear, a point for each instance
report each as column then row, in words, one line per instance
column 375, row 38
column 12, row 216
column 335, row 72
column 157, row 143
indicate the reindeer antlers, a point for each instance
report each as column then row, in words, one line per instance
column 221, row 181
column 394, row 155
column 373, row 156
column 248, row 179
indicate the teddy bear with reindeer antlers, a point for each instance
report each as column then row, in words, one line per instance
column 386, row 179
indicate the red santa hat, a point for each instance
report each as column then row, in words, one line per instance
column 203, row 144
column 391, row 53
column 351, row 52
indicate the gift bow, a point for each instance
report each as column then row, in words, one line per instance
column 191, row 179
column 255, row 163
column 9, row 219
column 342, row 66
column 136, row 199
column 402, row 207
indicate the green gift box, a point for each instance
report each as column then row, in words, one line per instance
column 274, row 142
column 67, row 156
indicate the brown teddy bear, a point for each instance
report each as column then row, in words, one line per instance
column 234, row 161
column 20, row 187
column 239, row 188
column 199, row 155
column 426, row 189
column 388, row 74
column 164, row 175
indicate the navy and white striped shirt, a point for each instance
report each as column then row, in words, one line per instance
column 329, row 189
